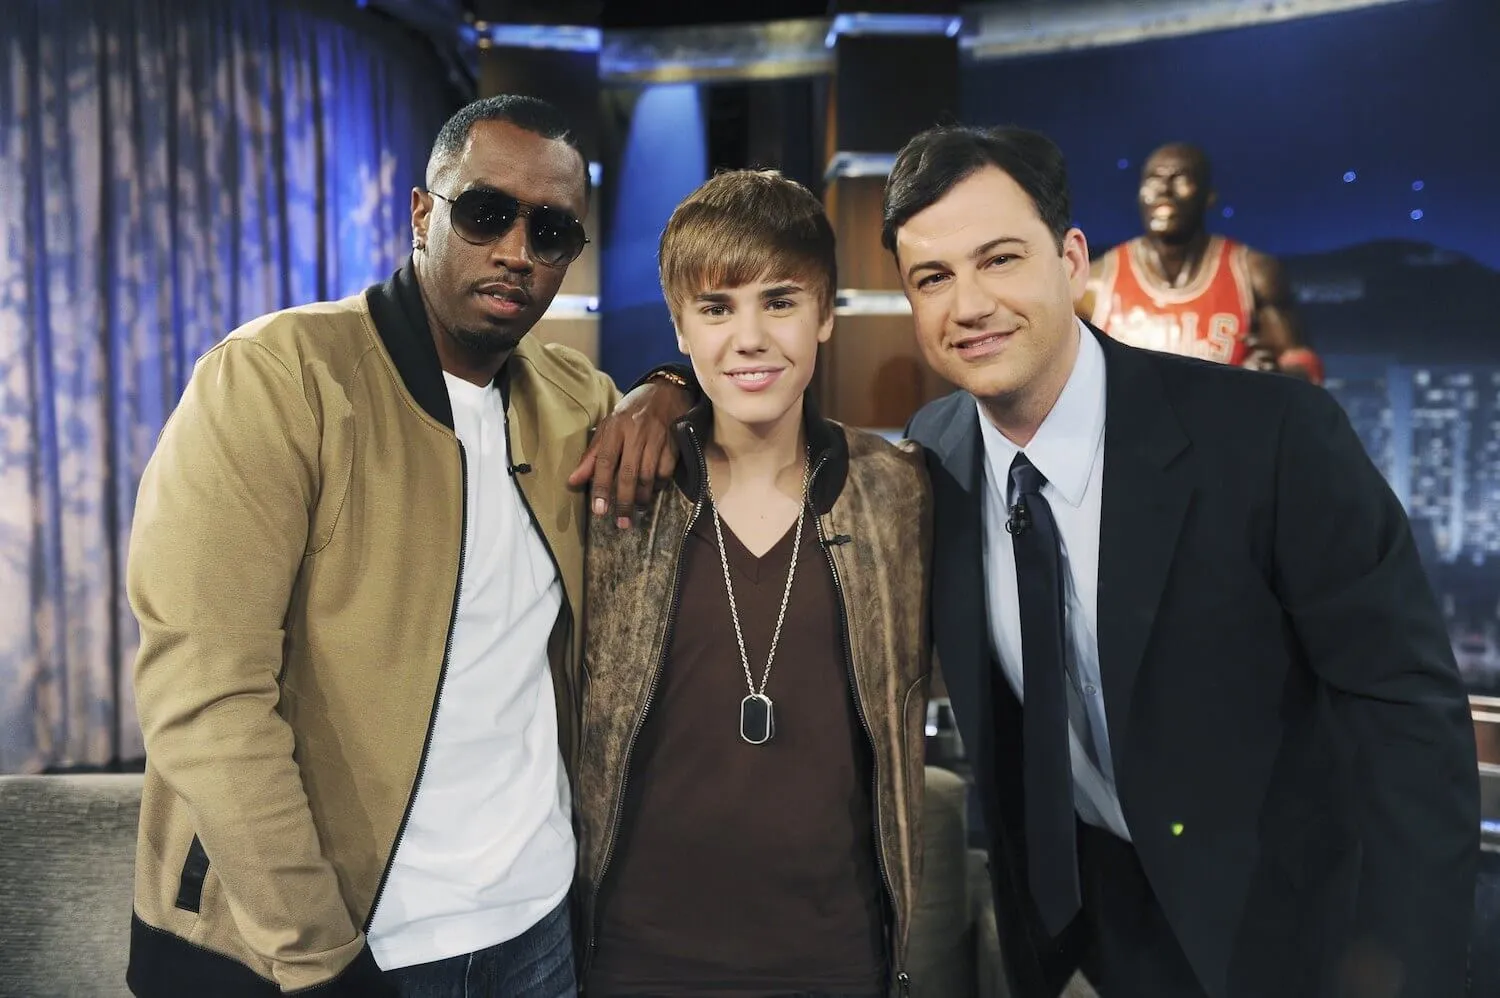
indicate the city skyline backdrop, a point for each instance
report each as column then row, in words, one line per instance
column 1408, row 335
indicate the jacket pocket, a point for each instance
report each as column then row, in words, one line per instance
column 190, row 883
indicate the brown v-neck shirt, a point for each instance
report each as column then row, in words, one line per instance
column 746, row 870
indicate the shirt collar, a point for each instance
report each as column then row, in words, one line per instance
column 1066, row 445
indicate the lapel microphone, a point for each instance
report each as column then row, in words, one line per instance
column 519, row 469
column 1018, row 520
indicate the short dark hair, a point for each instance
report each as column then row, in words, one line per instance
column 937, row 160
column 529, row 113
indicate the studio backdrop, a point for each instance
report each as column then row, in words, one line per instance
column 168, row 170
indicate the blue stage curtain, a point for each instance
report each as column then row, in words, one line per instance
column 168, row 170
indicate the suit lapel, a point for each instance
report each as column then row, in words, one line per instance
column 959, row 618
column 1148, row 486
column 988, row 714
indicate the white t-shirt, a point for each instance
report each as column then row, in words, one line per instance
column 488, row 849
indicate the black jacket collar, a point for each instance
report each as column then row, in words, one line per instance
column 828, row 450
column 401, row 320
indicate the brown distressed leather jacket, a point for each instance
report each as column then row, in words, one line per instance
column 874, row 521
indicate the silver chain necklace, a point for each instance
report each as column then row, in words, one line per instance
column 757, row 712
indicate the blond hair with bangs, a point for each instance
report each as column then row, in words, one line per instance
column 744, row 226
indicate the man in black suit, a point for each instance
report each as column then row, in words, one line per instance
column 1245, row 766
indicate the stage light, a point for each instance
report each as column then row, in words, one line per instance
column 1007, row 30
column 551, row 37
column 573, row 307
column 948, row 25
column 855, row 301
column 859, row 164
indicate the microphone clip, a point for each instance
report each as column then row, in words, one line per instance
column 1018, row 520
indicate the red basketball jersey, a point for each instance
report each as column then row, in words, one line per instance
column 1208, row 318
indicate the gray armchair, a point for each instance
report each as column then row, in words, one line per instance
column 954, row 949
column 67, row 874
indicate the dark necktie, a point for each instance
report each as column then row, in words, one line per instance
column 1051, row 853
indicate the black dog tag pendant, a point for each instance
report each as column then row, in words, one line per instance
column 757, row 719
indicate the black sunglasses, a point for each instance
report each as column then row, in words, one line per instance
column 481, row 216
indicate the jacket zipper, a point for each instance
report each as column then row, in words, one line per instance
column 902, row 978
column 516, row 471
column 437, row 698
column 640, row 721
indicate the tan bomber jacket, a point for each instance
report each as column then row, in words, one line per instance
column 293, row 566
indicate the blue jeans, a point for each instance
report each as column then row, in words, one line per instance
column 536, row 964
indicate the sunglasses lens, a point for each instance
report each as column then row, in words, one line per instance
column 481, row 217
column 484, row 216
column 556, row 236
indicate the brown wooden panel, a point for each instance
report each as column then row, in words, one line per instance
column 580, row 334
column 885, row 89
column 853, row 205
column 1487, row 736
column 583, row 273
column 871, row 373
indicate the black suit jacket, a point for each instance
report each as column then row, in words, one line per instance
column 1291, row 738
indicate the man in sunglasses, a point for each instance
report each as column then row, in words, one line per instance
column 358, row 572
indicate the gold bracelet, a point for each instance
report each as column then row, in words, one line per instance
column 670, row 376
